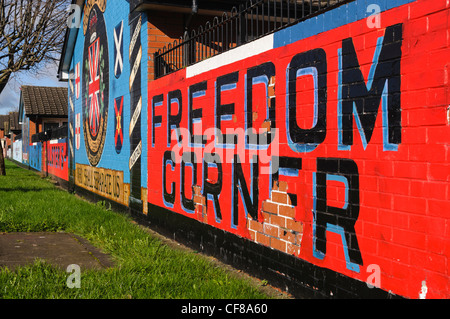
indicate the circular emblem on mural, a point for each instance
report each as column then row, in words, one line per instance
column 95, row 85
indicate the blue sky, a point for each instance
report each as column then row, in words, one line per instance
column 9, row 98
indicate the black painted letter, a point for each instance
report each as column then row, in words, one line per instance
column 313, row 63
column 357, row 98
column 344, row 170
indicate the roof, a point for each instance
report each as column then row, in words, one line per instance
column 45, row 101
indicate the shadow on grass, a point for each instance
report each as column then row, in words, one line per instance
column 26, row 190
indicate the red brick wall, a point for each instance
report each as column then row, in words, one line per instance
column 163, row 29
column 371, row 184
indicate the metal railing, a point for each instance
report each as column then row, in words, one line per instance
column 55, row 133
column 249, row 22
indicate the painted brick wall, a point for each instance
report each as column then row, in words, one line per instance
column 56, row 161
column 107, row 92
column 36, row 156
column 50, row 157
column 356, row 178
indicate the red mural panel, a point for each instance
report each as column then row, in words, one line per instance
column 334, row 148
column 56, row 154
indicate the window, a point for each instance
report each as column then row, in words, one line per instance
column 50, row 126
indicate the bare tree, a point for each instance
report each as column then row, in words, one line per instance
column 31, row 34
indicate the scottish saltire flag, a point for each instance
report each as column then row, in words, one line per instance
column 118, row 50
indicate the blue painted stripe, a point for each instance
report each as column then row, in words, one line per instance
column 345, row 14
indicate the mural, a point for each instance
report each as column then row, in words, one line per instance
column 107, row 183
column 304, row 143
column 36, row 156
column 51, row 157
column 74, row 122
column 95, row 84
column 57, row 158
column 88, row 6
column 17, row 150
column 326, row 141
column 106, row 121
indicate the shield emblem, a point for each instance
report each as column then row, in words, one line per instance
column 95, row 85
column 118, row 124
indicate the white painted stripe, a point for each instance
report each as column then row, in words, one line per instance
column 71, row 84
column 136, row 33
column 136, row 154
column 137, row 64
column 135, row 117
column 243, row 52
column 71, row 105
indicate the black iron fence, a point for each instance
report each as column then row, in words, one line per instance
column 249, row 22
column 52, row 134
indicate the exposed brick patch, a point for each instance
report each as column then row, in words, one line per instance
column 279, row 229
column 200, row 204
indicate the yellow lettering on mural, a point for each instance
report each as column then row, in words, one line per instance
column 104, row 182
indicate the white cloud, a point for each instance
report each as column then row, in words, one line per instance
column 9, row 98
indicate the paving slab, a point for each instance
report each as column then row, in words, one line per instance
column 57, row 249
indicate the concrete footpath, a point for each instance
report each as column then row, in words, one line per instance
column 58, row 249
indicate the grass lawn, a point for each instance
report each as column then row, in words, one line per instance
column 145, row 267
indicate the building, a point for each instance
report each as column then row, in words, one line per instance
column 3, row 138
column 303, row 141
column 13, row 131
column 41, row 109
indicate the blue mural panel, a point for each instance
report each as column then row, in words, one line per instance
column 36, row 156
column 101, row 138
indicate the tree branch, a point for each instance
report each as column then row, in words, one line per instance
column 31, row 33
